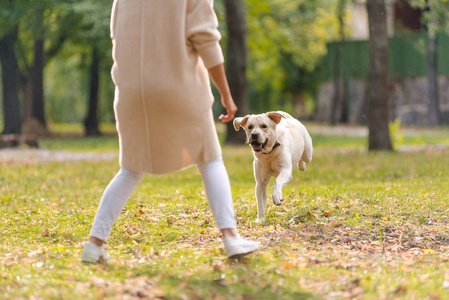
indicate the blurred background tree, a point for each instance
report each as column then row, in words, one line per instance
column 287, row 42
column 67, row 39
column 44, row 28
column 63, row 58
column 56, row 58
column 435, row 19
column 236, row 50
column 11, row 13
column 93, row 43
column 377, row 82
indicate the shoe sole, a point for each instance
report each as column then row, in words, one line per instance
column 241, row 255
column 98, row 261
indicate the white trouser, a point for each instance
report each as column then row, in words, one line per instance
column 119, row 190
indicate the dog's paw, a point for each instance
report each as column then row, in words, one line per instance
column 279, row 202
column 277, row 199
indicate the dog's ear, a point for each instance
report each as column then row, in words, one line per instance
column 275, row 116
column 240, row 122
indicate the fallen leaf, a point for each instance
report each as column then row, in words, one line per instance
column 400, row 289
column 327, row 213
column 287, row 265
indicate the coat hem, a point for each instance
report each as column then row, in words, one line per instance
column 168, row 171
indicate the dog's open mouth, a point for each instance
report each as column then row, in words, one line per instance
column 258, row 146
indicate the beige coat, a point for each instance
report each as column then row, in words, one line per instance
column 163, row 100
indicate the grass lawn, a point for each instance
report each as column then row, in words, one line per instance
column 354, row 225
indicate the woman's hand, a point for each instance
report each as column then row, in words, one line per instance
column 217, row 73
column 231, row 108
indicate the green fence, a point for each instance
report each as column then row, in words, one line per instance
column 406, row 57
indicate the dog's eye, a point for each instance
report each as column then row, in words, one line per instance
column 264, row 126
column 250, row 127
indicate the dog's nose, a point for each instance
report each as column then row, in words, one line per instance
column 254, row 136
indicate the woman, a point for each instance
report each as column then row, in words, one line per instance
column 164, row 52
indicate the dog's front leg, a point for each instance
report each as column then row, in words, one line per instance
column 262, row 176
column 285, row 175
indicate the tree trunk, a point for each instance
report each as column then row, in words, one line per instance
column 38, row 71
column 377, row 82
column 339, row 102
column 91, row 121
column 8, row 60
column 300, row 111
column 27, row 95
column 33, row 82
column 337, row 99
column 432, row 80
column 236, row 63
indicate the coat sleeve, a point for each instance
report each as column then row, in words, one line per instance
column 202, row 31
column 113, row 21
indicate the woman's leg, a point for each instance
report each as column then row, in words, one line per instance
column 114, row 199
column 218, row 193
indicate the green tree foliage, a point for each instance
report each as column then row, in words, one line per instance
column 11, row 12
column 436, row 14
column 68, row 99
column 93, row 29
column 287, row 40
column 286, row 44
column 70, row 29
column 44, row 26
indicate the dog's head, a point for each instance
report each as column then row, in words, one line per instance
column 260, row 130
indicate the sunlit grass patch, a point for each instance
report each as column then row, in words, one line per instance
column 354, row 225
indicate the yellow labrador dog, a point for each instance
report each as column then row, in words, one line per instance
column 279, row 142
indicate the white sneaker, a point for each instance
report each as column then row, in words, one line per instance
column 94, row 254
column 237, row 247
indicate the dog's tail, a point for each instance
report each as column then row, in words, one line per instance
column 306, row 157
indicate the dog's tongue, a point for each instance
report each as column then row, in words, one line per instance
column 256, row 146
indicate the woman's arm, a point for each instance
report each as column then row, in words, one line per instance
column 218, row 75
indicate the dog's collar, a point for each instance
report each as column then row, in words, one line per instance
column 274, row 147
